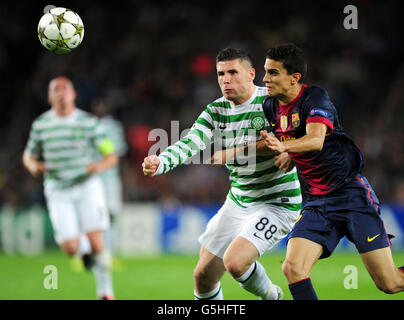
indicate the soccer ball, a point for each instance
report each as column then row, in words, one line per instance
column 60, row 30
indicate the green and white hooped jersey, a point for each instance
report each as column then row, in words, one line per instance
column 254, row 179
column 66, row 145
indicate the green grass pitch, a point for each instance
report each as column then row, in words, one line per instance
column 169, row 277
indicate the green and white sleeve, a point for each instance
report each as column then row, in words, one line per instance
column 198, row 139
column 33, row 146
column 103, row 143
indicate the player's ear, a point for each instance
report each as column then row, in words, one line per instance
column 251, row 72
column 296, row 78
column 49, row 98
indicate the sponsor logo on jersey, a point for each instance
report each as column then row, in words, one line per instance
column 284, row 123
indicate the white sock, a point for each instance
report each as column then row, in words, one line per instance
column 272, row 293
column 256, row 281
column 215, row 294
column 102, row 273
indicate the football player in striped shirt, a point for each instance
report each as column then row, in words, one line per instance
column 60, row 146
column 263, row 202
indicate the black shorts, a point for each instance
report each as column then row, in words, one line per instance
column 352, row 211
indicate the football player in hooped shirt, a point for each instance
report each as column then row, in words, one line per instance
column 339, row 201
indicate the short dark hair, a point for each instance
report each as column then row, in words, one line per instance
column 232, row 54
column 291, row 56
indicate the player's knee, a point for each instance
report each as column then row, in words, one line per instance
column 294, row 271
column 70, row 247
column 200, row 275
column 70, row 251
column 235, row 266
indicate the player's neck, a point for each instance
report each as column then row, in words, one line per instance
column 64, row 111
column 245, row 98
column 290, row 95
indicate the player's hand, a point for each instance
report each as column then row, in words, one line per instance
column 94, row 167
column 219, row 158
column 150, row 165
column 284, row 162
column 37, row 168
column 272, row 142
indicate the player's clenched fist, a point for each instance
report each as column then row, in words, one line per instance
column 150, row 165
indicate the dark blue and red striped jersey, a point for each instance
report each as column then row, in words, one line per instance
column 340, row 159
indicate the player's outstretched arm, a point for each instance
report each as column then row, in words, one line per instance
column 150, row 165
column 312, row 141
column 221, row 157
column 34, row 166
column 224, row 156
column 107, row 162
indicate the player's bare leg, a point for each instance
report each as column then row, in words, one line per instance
column 239, row 256
column 102, row 265
column 301, row 255
column 380, row 265
column 70, row 247
column 96, row 241
column 207, row 274
column 240, row 259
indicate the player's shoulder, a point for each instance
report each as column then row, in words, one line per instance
column 317, row 102
column 85, row 118
column 82, row 114
column 315, row 91
column 44, row 119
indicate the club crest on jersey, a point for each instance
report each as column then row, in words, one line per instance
column 78, row 133
column 295, row 120
column 284, row 123
column 258, row 123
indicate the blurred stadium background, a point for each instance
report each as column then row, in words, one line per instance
column 154, row 63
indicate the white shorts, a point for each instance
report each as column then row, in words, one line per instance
column 263, row 225
column 113, row 195
column 77, row 210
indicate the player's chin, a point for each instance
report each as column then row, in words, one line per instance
column 227, row 95
column 272, row 94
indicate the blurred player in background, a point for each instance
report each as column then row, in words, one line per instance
column 111, row 178
column 339, row 201
column 60, row 146
column 263, row 202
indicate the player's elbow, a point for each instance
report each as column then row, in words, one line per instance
column 27, row 161
column 115, row 159
column 319, row 145
column 112, row 160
